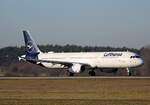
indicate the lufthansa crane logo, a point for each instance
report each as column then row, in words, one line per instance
column 30, row 47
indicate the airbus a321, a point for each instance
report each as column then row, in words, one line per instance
column 109, row 62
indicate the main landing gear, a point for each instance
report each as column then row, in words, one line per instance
column 70, row 74
column 92, row 73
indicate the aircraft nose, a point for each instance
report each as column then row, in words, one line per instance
column 141, row 62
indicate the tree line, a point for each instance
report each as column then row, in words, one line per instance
column 10, row 66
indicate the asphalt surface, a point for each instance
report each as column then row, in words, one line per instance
column 59, row 78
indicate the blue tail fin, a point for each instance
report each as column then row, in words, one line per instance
column 32, row 50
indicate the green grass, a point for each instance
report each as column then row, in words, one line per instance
column 75, row 92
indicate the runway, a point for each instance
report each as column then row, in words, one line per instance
column 59, row 78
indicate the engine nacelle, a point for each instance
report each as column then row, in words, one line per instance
column 109, row 70
column 76, row 68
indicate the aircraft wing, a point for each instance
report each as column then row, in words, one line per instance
column 65, row 63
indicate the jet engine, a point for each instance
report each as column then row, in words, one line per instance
column 109, row 70
column 76, row 68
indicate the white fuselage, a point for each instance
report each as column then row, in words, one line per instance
column 94, row 59
column 77, row 62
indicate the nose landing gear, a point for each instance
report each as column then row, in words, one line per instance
column 128, row 72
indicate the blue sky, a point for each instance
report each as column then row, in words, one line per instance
column 115, row 23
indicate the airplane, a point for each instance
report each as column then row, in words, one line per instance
column 77, row 62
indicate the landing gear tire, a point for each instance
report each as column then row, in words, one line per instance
column 71, row 74
column 92, row 73
column 130, row 74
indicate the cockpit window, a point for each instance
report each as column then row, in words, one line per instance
column 135, row 57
